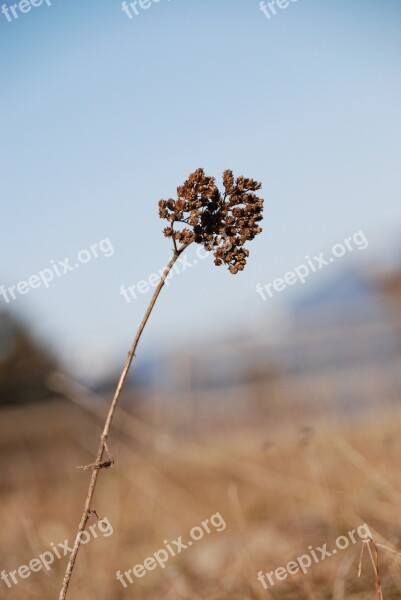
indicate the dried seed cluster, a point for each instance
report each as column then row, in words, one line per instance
column 221, row 222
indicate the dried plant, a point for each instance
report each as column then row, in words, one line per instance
column 222, row 223
column 213, row 217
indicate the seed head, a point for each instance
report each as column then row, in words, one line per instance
column 221, row 222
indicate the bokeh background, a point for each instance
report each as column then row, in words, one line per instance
column 283, row 415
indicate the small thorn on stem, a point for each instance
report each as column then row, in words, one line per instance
column 105, row 464
column 93, row 513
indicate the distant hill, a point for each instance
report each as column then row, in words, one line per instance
column 24, row 364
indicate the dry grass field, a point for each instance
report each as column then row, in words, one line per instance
column 279, row 490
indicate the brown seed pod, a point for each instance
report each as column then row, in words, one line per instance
column 211, row 216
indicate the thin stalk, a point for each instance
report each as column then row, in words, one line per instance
column 97, row 466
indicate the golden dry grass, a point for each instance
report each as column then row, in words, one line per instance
column 278, row 489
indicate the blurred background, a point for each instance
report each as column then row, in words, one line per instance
column 284, row 414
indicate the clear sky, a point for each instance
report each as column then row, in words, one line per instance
column 102, row 115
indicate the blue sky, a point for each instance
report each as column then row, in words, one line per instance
column 102, row 116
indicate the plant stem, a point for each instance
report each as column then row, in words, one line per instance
column 103, row 438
